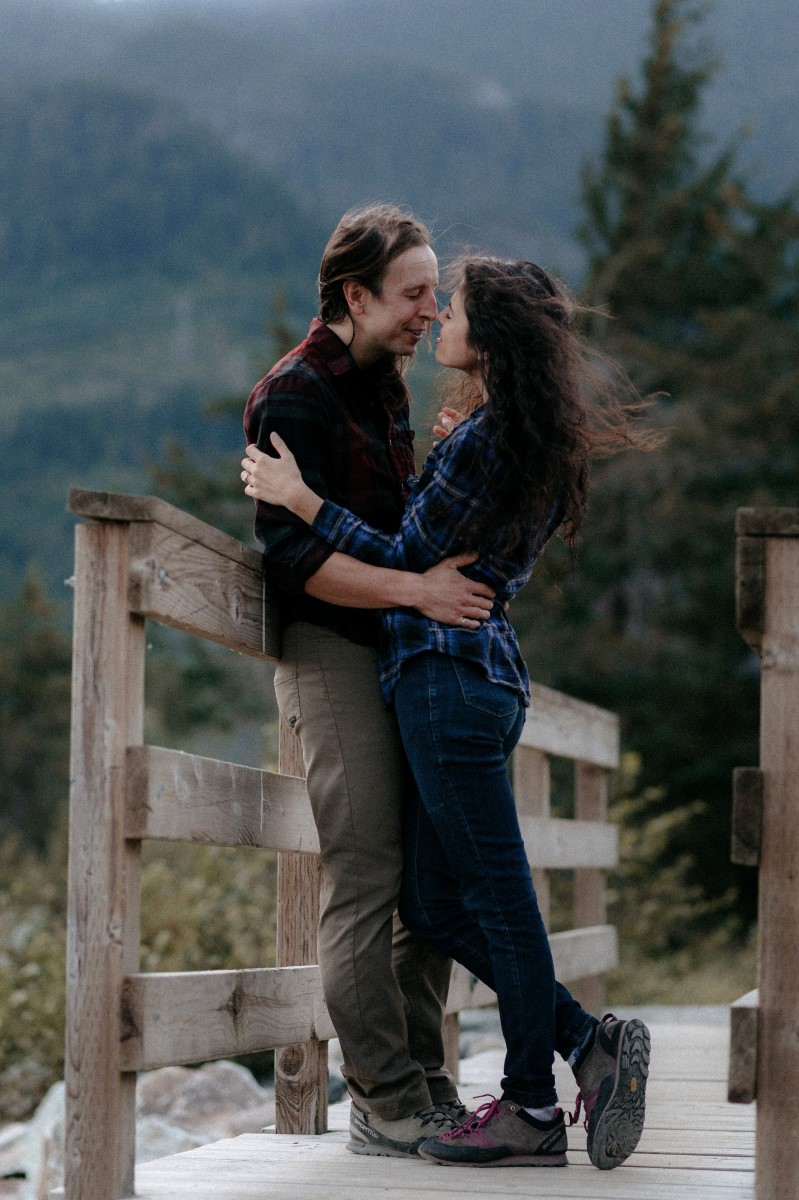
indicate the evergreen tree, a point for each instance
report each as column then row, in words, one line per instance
column 700, row 281
column 216, row 494
column 34, row 716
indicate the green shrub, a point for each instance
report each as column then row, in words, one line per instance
column 203, row 908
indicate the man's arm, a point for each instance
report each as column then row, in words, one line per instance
column 303, row 560
column 440, row 593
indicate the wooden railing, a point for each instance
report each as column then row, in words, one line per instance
column 141, row 558
column 764, row 1042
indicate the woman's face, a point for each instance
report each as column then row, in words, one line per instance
column 453, row 348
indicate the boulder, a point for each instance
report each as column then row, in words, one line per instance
column 177, row 1109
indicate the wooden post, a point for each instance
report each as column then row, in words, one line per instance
column 590, row 888
column 777, row 1139
column 103, row 898
column 301, row 1075
column 531, row 789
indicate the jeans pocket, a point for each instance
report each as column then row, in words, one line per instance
column 287, row 693
column 481, row 692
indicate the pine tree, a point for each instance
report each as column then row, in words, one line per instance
column 34, row 716
column 216, row 495
column 700, row 283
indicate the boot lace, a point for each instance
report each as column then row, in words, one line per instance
column 439, row 1114
column 481, row 1116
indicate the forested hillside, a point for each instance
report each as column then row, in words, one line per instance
column 97, row 179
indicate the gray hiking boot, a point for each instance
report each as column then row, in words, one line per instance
column 370, row 1134
column 612, row 1080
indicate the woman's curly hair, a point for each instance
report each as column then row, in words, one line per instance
column 554, row 402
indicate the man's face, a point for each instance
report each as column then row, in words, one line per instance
column 395, row 321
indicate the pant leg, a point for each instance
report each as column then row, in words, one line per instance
column 327, row 689
column 431, row 903
column 469, row 887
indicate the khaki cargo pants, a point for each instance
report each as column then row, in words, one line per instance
column 385, row 990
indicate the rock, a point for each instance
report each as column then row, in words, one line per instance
column 43, row 1157
column 12, row 1149
column 156, row 1138
column 218, row 1099
column 157, row 1091
column 177, row 1109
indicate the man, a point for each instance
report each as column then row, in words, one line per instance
column 340, row 402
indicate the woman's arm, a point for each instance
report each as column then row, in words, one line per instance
column 440, row 593
column 279, row 480
column 435, row 524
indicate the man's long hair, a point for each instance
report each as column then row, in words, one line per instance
column 360, row 249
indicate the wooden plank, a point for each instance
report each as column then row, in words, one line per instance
column 778, row 1045
column 116, row 506
column 570, row 728
column 184, row 797
column 467, row 992
column 747, row 815
column 100, row 1119
column 581, row 952
column 301, row 1070
column 576, row 953
column 561, row 844
column 531, row 789
column 750, row 584
column 699, row 1150
column 767, row 522
column 258, row 1165
column 590, row 887
column 187, row 585
column 184, row 1017
column 451, row 1036
column 742, row 1080
column 131, row 852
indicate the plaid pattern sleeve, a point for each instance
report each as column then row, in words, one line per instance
column 436, row 523
column 291, row 401
column 455, row 484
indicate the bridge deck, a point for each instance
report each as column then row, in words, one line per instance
column 695, row 1146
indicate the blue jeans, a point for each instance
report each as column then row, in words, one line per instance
column 466, row 882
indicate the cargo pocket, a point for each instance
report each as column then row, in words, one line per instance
column 287, row 693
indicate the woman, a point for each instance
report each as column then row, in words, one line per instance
column 511, row 472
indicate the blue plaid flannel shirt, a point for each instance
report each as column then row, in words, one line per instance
column 457, row 481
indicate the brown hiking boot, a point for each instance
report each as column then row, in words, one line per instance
column 500, row 1134
column 612, row 1080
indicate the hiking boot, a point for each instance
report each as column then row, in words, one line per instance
column 612, row 1080
column 500, row 1134
column 370, row 1134
column 455, row 1109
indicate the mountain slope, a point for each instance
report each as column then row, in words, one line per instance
column 94, row 178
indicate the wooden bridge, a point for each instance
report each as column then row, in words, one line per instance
column 139, row 558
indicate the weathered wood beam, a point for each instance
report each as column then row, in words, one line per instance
column 192, row 1016
column 187, row 798
column 115, row 506
column 102, row 905
column 742, row 1077
column 577, row 954
column 590, row 882
column 747, row 815
column 184, row 584
column 570, row 728
column 563, row 844
column 301, row 1069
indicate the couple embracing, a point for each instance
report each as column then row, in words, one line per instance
column 401, row 675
